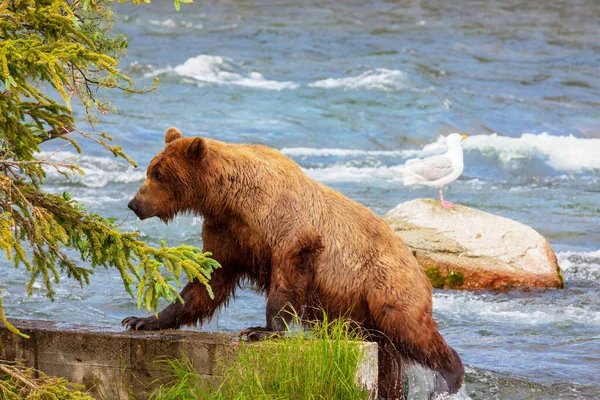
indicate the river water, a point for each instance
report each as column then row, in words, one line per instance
column 350, row 90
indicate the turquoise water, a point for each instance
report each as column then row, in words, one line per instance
column 350, row 90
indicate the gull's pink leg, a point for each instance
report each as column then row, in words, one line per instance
column 446, row 204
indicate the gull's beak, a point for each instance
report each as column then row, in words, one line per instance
column 464, row 137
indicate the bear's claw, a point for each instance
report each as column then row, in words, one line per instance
column 140, row 324
column 257, row 333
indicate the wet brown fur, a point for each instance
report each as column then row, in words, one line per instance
column 303, row 243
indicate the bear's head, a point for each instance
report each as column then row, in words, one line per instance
column 171, row 178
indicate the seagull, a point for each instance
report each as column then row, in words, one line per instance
column 437, row 170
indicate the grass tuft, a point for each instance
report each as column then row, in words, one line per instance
column 319, row 363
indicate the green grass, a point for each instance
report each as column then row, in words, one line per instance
column 318, row 364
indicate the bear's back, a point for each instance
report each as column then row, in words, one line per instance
column 353, row 235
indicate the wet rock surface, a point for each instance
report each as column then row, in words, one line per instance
column 464, row 248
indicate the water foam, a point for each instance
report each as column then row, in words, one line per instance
column 222, row 71
column 562, row 153
column 98, row 171
column 580, row 265
column 169, row 23
column 565, row 257
column 421, row 384
column 344, row 173
column 503, row 309
column 380, row 78
column 326, row 152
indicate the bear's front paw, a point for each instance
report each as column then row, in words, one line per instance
column 258, row 333
column 141, row 324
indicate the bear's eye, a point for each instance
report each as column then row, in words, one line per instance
column 157, row 176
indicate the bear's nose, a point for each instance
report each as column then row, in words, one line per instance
column 134, row 206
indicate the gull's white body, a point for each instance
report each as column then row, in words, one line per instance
column 437, row 170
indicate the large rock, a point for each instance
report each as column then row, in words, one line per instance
column 471, row 249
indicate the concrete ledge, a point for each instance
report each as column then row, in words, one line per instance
column 97, row 355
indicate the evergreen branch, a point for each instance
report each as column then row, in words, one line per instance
column 7, row 324
column 58, row 166
column 18, row 382
column 55, row 133
column 14, row 373
column 67, row 45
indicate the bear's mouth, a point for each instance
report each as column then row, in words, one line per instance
column 137, row 207
column 141, row 216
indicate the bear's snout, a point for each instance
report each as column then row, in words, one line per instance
column 134, row 205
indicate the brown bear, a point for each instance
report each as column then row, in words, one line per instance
column 305, row 245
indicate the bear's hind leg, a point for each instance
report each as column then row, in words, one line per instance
column 409, row 325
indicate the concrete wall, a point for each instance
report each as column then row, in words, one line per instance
column 115, row 362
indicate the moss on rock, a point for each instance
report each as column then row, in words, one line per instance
column 439, row 281
column 435, row 277
column 455, row 279
column 560, row 277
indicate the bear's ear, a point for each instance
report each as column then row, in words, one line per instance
column 172, row 134
column 197, row 148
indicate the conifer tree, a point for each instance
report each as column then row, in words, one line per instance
column 54, row 53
